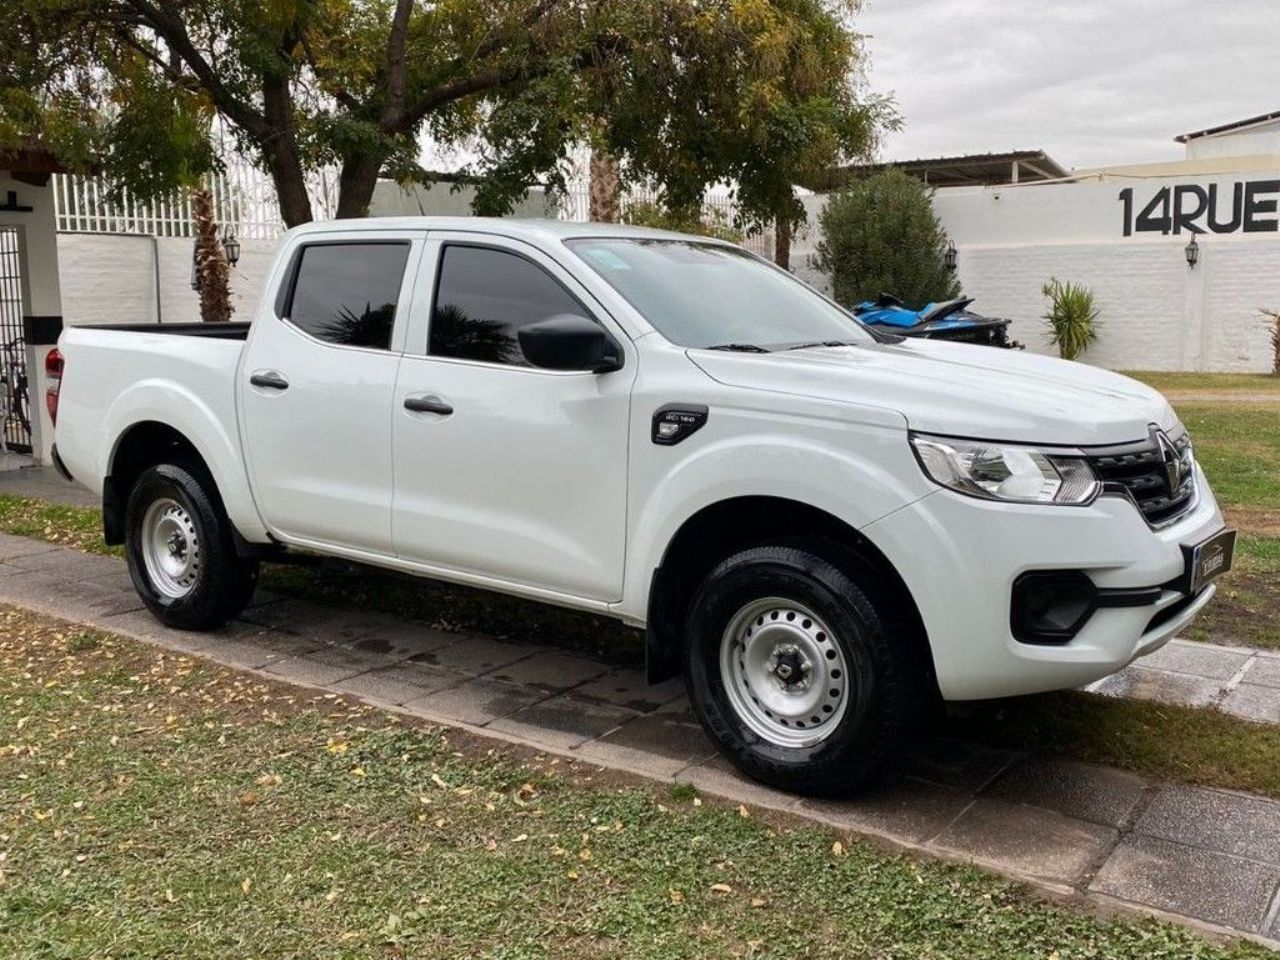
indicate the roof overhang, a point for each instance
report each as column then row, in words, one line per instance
column 1229, row 127
column 32, row 164
column 978, row 169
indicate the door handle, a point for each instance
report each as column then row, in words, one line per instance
column 427, row 405
column 269, row 379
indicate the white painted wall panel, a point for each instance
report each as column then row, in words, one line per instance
column 111, row 278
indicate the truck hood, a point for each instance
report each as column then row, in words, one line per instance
column 958, row 389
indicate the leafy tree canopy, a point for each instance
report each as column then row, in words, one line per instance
column 880, row 235
column 685, row 93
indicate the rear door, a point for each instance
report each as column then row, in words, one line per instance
column 518, row 473
column 317, row 384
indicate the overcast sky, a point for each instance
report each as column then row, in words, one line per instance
column 1089, row 81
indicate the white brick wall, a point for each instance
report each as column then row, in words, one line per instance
column 1156, row 312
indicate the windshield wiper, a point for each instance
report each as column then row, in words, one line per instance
column 739, row 347
column 824, row 343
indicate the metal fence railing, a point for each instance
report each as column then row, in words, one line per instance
column 245, row 201
column 243, row 198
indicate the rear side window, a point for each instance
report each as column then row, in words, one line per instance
column 483, row 298
column 346, row 293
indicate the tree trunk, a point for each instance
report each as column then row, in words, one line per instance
column 281, row 153
column 212, row 273
column 606, row 188
column 356, row 181
column 291, row 190
column 782, row 243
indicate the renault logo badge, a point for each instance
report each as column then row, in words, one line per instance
column 1171, row 459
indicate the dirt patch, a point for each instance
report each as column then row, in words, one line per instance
column 1255, row 521
column 1220, row 396
column 1246, row 612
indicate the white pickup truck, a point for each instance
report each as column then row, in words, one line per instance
column 822, row 527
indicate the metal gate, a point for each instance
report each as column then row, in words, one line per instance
column 15, row 405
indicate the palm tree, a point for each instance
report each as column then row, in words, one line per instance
column 606, row 187
column 212, row 274
column 1275, row 339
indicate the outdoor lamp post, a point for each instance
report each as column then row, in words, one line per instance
column 231, row 246
column 1192, row 252
column 949, row 258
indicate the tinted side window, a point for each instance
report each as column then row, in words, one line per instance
column 346, row 292
column 484, row 297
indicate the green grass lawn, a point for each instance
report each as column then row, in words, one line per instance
column 1158, row 740
column 155, row 806
column 1238, row 444
column 1239, row 447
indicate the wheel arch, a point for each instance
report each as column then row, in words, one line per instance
column 144, row 444
column 155, row 418
column 726, row 526
column 141, row 445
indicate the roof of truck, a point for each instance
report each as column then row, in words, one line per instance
column 527, row 229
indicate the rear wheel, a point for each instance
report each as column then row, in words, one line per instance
column 792, row 670
column 181, row 553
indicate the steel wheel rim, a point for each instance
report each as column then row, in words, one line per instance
column 785, row 675
column 170, row 545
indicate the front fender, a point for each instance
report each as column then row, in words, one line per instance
column 173, row 404
column 857, row 482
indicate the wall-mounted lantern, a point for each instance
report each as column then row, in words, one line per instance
column 231, row 246
column 949, row 258
column 1192, row 252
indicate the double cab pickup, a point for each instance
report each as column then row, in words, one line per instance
column 824, row 528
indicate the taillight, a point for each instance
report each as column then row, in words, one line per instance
column 53, row 365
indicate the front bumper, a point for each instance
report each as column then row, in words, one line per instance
column 960, row 556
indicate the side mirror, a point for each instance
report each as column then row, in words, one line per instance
column 569, row 342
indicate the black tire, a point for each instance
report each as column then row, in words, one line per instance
column 881, row 687
column 221, row 583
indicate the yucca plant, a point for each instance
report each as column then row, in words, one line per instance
column 1072, row 317
column 1275, row 341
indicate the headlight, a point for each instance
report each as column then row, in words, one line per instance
column 1001, row 471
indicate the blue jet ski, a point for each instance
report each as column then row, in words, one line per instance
column 949, row 320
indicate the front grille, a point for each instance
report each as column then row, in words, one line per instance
column 1140, row 470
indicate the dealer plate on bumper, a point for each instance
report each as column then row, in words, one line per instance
column 1208, row 560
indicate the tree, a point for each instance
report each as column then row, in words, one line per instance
column 880, row 235
column 683, row 93
column 212, row 273
column 708, row 223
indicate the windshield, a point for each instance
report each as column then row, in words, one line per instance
column 712, row 296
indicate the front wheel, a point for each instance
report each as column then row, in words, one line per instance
column 181, row 553
column 793, row 672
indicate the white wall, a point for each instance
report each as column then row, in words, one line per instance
column 38, row 242
column 111, row 278
column 1156, row 312
column 1262, row 138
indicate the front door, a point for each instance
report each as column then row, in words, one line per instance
column 317, row 385
column 504, row 470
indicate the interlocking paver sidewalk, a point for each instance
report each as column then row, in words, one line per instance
column 1209, row 857
column 1240, row 681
